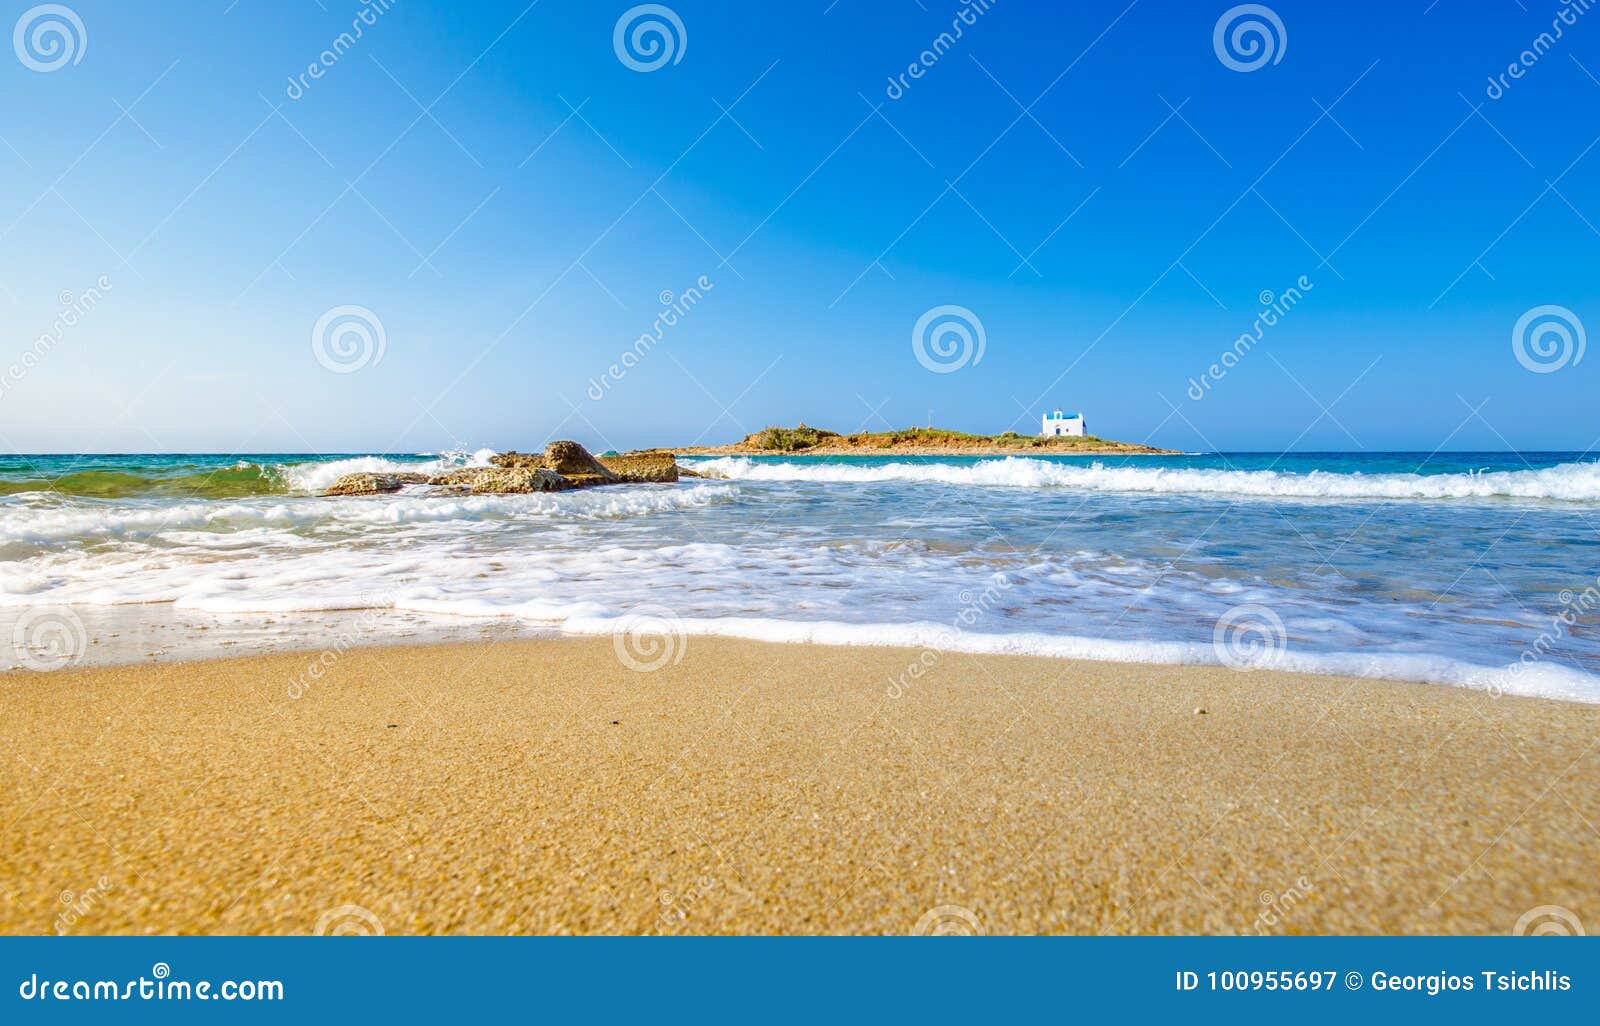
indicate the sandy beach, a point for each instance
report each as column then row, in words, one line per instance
column 545, row 787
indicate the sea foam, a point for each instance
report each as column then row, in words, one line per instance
column 991, row 559
column 317, row 476
column 1567, row 482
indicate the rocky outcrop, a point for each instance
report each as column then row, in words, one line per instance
column 518, row 481
column 514, row 459
column 461, row 477
column 571, row 460
column 642, row 468
column 365, row 484
column 562, row 465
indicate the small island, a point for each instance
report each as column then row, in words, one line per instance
column 804, row 440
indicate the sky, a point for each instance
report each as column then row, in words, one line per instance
column 212, row 243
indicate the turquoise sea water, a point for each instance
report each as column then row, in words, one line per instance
column 1478, row 569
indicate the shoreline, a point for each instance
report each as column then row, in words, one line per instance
column 541, row 785
column 134, row 638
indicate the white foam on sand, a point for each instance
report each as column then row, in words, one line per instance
column 1541, row 680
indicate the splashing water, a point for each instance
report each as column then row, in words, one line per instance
column 1445, row 568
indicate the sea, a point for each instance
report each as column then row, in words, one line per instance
column 1470, row 569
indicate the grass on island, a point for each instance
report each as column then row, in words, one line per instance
column 803, row 437
column 794, row 439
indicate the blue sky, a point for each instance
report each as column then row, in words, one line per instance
column 1036, row 174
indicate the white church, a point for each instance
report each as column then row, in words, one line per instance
column 1057, row 422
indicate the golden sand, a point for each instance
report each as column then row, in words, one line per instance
column 544, row 787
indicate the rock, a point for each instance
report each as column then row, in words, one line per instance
column 646, row 468
column 461, row 477
column 686, row 472
column 568, row 459
column 365, row 484
column 513, row 458
column 571, row 460
column 406, row 477
column 1199, row 711
column 517, row 481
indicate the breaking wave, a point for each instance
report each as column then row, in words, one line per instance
column 1566, row 482
column 316, row 477
column 53, row 523
column 139, row 478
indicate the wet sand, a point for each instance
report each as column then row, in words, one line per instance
column 543, row 786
